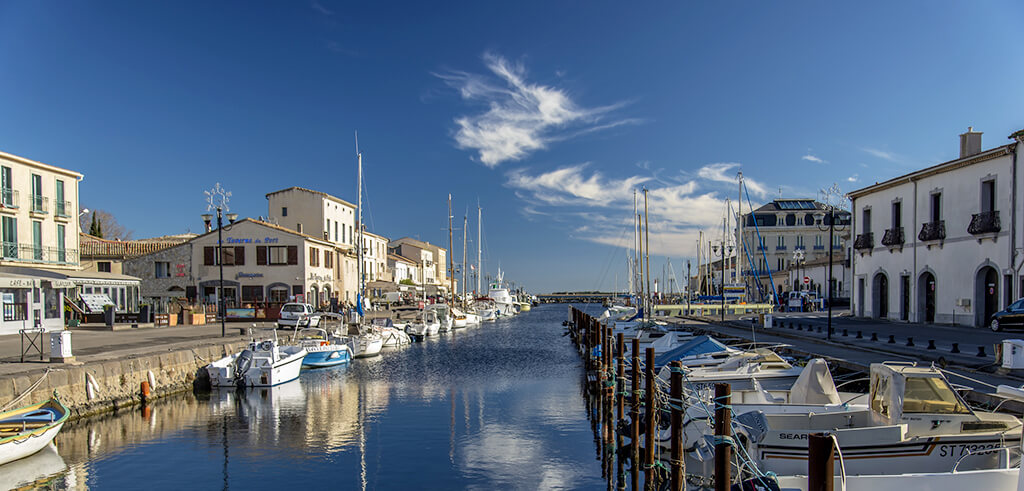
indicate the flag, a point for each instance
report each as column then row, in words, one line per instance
column 359, row 304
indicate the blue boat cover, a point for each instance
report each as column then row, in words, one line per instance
column 696, row 346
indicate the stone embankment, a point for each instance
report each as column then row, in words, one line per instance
column 100, row 385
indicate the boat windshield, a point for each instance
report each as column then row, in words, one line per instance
column 931, row 395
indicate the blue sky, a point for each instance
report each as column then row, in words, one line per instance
column 547, row 113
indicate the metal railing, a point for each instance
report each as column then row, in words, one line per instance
column 9, row 198
column 40, row 204
column 864, row 241
column 13, row 251
column 819, row 247
column 932, row 231
column 63, row 208
column 780, row 248
column 893, row 237
column 984, row 223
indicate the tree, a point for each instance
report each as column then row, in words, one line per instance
column 104, row 226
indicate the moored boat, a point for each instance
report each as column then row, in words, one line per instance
column 264, row 363
column 323, row 349
column 29, row 429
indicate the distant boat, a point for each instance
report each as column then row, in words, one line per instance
column 323, row 349
column 426, row 324
column 391, row 334
column 264, row 363
column 28, row 430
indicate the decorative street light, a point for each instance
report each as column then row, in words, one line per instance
column 721, row 246
column 831, row 208
column 217, row 199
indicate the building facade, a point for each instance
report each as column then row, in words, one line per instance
column 432, row 260
column 941, row 244
column 166, row 276
column 786, row 233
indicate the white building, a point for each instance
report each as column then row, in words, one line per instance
column 313, row 213
column 941, row 244
column 403, row 269
column 375, row 257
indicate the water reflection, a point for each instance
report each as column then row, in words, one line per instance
column 492, row 407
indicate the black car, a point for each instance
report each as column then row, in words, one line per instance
column 1012, row 317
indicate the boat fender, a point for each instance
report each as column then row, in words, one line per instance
column 91, row 387
column 242, row 364
column 151, row 378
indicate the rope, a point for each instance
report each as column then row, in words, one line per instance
column 30, row 388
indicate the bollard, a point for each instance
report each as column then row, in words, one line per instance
column 874, row 336
column 791, row 325
column 910, row 342
column 676, row 394
column 650, row 475
column 860, row 334
column 799, row 327
column 892, row 339
column 931, row 344
column 956, row 348
column 723, row 435
column 819, row 329
column 845, row 333
column 144, row 390
column 981, row 351
column 820, row 462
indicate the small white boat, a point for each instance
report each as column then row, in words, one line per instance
column 265, row 363
column 393, row 336
column 470, row 318
column 323, row 349
column 426, row 324
column 364, row 343
column 485, row 308
column 28, row 430
column 445, row 320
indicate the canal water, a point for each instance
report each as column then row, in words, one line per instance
column 498, row 406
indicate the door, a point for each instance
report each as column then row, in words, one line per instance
column 991, row 293
column 860, row 297
column 929, row 298
column 904, row 298
column 883, row 296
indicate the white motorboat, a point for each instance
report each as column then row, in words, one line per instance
column 445, row 319
column 265, row 363
column 741, row 369
column 426, row 324
column 365, row 343
column 505, row 305
column 391, row 334
column 485, row 308
column 471, row 318
column 323, row 349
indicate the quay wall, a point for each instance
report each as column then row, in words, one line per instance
column 105, row 385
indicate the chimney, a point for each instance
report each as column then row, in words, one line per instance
column 970, row 142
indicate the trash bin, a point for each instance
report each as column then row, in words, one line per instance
column 1013, row 353
column 60, row 347
column 766, row 320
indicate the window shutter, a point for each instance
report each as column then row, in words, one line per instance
column 208, row 256
column 261, row 255
column 293, row 254
column 239, row 255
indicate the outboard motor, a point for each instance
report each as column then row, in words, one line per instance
column 242, row 365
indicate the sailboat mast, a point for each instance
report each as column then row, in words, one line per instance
column 479, row 253
column 739, row 234
column 359, row 225
column 647, row 248
column 451, row 264
column 465, row 223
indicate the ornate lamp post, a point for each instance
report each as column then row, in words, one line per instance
column 722, row 247
column 217, row 199
column 831, row 214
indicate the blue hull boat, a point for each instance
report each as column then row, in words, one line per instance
column 336, row 356
column 323, row 349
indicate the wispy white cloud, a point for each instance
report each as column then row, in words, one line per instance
column 569, row 185
column 320, row 8
column 853, row 178
column 721, row 172
column 812, row 158
column 885, row 155
column 521, row 117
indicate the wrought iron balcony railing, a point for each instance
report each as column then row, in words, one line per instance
column 780, row 248
column 932, row 231
column 63, row 208
column 819, row 247
column 893, row 237
column 864, row 241
column 9, row 198
column 39, row 203
column 30, row 253
column 984, row 223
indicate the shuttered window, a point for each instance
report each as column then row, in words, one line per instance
column 240, row 256
column 314, row 256
column 208, row 256
column 261, row 255
column 293, row 254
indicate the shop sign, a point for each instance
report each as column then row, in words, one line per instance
column 250, row 240
column 181, row 270
column 62, row 283
column 17, row 283
column 248, row 275
column 241, row 313
column 316, row 277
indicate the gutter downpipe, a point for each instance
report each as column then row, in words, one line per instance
column 913, row 279
column 1013, row 219
column 857, row 306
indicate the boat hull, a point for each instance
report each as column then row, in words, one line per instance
column 262, row 373
column 28, row 430
column 327, row 358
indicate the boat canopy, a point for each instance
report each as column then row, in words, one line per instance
column 814, row 385
column 903, row 389
column 697, row 346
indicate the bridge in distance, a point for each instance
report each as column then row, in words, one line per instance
column 578, row 297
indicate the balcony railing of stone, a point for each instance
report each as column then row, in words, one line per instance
column 39, row 203
column 864, row 241
column 63, row 208
column 29, row 253
column 932, row 231
column 9, row 198
column 893, row 237
column 985, row 222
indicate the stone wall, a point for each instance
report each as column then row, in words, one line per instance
column 117, row 383
column 144, row 268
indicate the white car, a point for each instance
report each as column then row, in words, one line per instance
column 301, row 313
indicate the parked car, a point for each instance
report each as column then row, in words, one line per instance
column 298, row 313
column 1012, row 317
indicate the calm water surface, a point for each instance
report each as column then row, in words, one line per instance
column 493, row 407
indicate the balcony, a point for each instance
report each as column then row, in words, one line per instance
column 986, row 222
column 9, row 198
column 29, row 253
column 819, row 248
column 780, row 248
column 932, row 231
column 893, row 237
column 63, row 209
column 39, row 204
column 864, row 241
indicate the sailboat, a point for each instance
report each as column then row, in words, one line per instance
column 483, row 305
column 364, row 340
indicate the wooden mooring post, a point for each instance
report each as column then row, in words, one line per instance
column 723, row 436
column 634, row 430
column 676, row 396
column 620, row 387
column 651, row 411
column 820, row 462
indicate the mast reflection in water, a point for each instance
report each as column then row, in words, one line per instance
column 495, row 406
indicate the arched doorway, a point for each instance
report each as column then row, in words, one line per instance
column 880, row 294
column 312, row 297
column 986, row 295
column 926, row 297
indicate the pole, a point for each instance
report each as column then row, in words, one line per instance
column 479, row 249
column 722, row 291
column 620, row 374
column 723, row 431
column 820, row 462
column 451, row 259
column 676, row 394
column 634, row 425
column 465, row 223
column 220, row 261
column 647, row 248
column 650, row 475
column 689, row 287
column 640, row 264
column 831, row 232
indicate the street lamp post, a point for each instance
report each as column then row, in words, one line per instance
column 831, row 243
column 217, row 198
column 721, row 290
